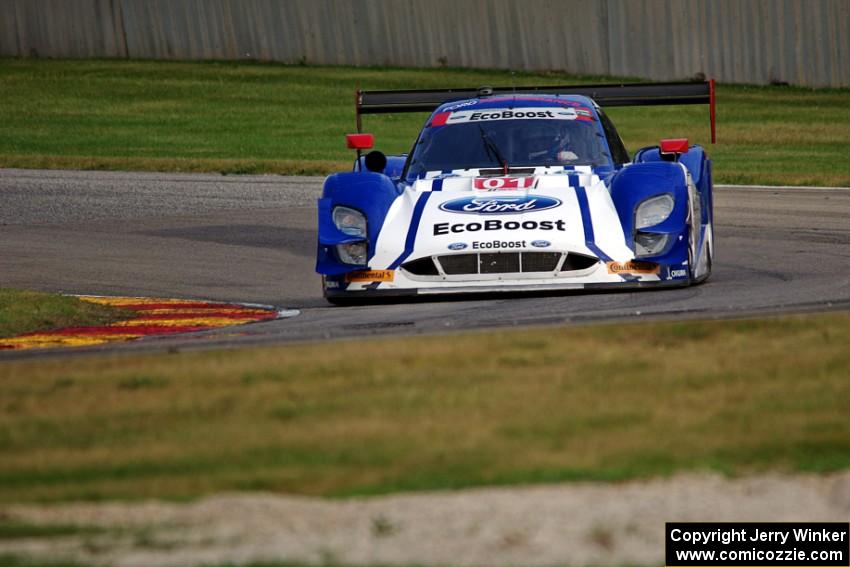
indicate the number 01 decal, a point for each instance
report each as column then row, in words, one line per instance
column 502, row 183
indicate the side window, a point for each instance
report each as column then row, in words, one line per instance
column 618, row 150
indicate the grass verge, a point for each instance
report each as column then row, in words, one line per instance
column 19, row 530
column 8, row 560
column 23, row 311
column 377, row 416
column 241, row 117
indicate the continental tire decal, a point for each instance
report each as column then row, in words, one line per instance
column 633, row 267
column 370, row 276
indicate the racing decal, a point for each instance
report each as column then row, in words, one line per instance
column 411, row 230
column 584, row 114
column 633, row 267
column 457, row 246
column 499, row 205
column 525, row 113
column 371, row 276
column 540, row 170
column 521, row 98
column 440, row 118
column 502, row 183
column 441, row 228
column 336, row 283
column 673, row 274
column 541, row 243
column 584, row 206
column 462, row 104
column 499, row 245
column 153, row 316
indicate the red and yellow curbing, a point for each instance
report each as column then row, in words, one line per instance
column 153, row 317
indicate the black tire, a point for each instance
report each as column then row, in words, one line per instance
column 691, row 273
column 342, row 301
column 709, row 261
column 709, row 256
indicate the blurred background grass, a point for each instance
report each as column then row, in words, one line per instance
column 239, row 117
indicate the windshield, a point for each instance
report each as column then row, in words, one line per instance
column 522, row 142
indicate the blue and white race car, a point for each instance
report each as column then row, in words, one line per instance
column 513, row 190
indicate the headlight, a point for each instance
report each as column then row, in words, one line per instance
column 650, row 243
column 354, row 253
column 653, row 211
column 349, row 221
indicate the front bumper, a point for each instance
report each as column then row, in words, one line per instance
column 400, row 285
column 366, row 294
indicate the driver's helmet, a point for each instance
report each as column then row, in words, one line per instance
column 542, row 139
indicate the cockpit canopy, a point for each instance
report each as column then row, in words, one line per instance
column 550, row 133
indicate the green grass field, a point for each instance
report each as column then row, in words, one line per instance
column 375, row 416
column 266, row 118
column 23, row 311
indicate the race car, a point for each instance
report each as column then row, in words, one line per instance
column 508, row 190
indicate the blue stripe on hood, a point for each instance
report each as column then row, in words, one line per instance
column 587, row 223
column 412, row 229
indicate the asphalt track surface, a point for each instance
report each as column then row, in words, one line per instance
column 252, row 239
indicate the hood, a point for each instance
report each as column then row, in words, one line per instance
column 541, row 209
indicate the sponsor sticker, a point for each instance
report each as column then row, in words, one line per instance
column 541, row 243
column 370, row 276
column 441, row 228
column 633, row 267
column 500, row 205
column 457, row 246
column 462, row 104
column 526, row 113
column 678, row 273
column 499, row 245
column 502, row 183
column 584, row 114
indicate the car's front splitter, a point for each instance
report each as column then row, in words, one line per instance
column 508, row 288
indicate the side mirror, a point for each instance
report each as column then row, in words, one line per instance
column 672, row 148
column 359, row 141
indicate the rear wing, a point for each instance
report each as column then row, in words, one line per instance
column 626, row 94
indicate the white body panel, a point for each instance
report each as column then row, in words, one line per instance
column 555, row 228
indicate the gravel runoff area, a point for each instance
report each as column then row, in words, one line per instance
column 567, row 524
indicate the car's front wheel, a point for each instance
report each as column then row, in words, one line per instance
column 700, row 270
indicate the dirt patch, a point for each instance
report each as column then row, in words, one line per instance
column 569, row 524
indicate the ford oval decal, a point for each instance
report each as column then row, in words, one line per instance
column 541, row 243
column 500, row 205
column 457, row 246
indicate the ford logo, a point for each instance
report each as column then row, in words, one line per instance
column 457, row 246
column 499, row 205
column 541, row 243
